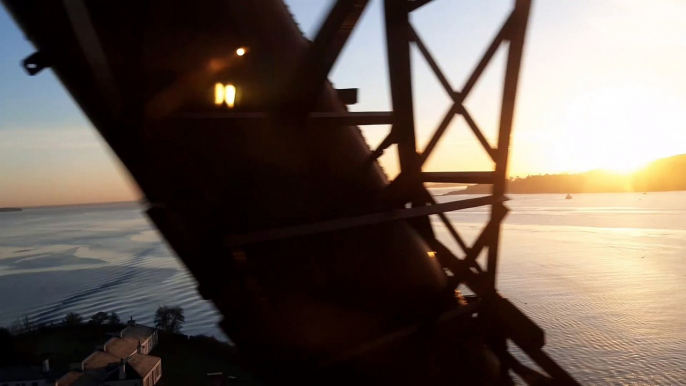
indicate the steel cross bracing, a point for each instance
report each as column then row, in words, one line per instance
column 502, row 320
column 505, row 321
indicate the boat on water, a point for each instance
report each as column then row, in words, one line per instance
column 569, row 197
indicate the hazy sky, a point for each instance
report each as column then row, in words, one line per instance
column 603, row 85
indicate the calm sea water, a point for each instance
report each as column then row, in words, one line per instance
column 603, row 274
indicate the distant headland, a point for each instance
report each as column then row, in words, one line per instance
column 665, row 174
column 11, row 209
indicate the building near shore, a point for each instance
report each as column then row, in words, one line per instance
column 122, row 360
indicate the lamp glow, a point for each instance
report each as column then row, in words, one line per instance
column 224, row 94
column 230, row 95
column 240, row 51
column 218, row 94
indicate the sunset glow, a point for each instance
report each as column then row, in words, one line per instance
column 602, row 86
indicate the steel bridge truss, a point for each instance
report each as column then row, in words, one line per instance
column 503, row 320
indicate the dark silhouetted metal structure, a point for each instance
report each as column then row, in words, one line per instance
column 322, row 268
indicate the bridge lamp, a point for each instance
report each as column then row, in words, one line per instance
column 225, row 94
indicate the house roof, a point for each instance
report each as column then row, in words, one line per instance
column 121, row 347
column 143, row 364
column 25, row 373
column 77, row 378
column 114, row 375
column 99, row 360
column 137, row 332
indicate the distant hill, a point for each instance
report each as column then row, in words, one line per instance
column 665, row 174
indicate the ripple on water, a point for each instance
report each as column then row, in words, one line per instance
column 605, row 279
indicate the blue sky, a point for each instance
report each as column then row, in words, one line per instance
column 602, row 86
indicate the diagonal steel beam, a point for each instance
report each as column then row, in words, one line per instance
column 477, row 132
column 484, row 238
column 447, row 223
column 432, row 63
column 459, row 97
column 414, row 4
column 235, row 240
column 438, row 133
column 469, row 261
column 322, row 54
column 385, row 144
column 460, row 269
column 516, row 326
column 456, row 109
column 488, row 55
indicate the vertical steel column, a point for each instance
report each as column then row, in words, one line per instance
column 398, row 38
column 516, row 30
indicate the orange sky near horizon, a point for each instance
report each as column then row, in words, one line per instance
column 602, row 86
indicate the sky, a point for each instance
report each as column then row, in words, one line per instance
column 602, row 85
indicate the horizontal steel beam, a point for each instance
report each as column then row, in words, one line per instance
column 343, row 119
column 352, row 222
column 365, row 118
column 459, row 177
column 226, row 115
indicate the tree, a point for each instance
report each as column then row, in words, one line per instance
column 72, row 319
column 99, row 318
column 169, row 319
column 21, row 325
column 113, row 318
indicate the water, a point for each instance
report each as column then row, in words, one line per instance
column 93, row 258
column 603, row 274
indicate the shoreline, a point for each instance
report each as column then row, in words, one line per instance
column 465, row 192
